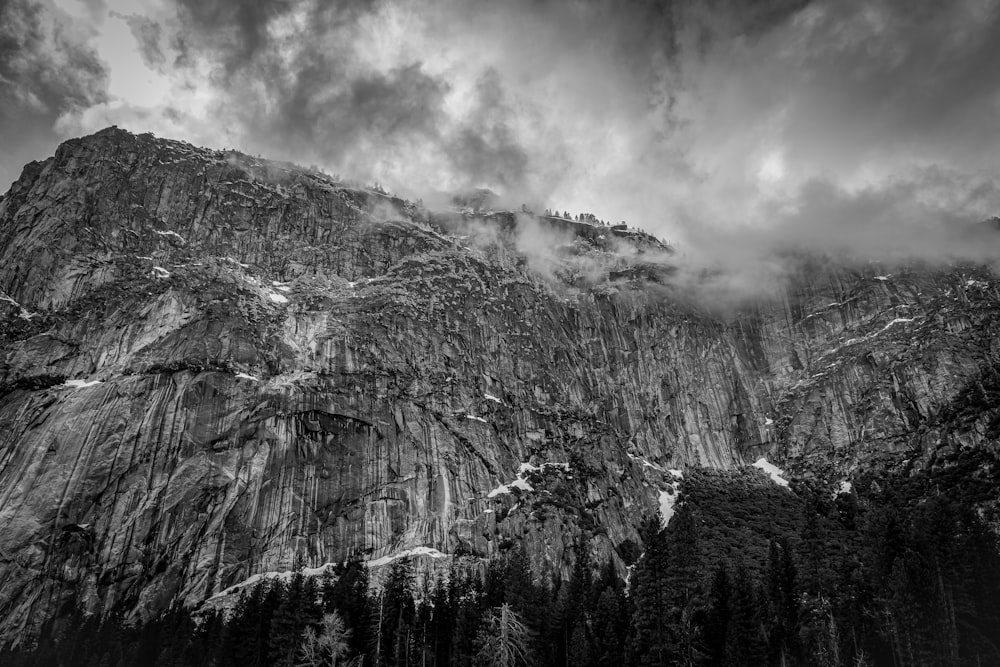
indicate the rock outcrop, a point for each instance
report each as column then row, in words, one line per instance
column 212, row 364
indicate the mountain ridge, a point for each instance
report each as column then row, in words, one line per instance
column 219, row 364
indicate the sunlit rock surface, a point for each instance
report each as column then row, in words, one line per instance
column 212, row 364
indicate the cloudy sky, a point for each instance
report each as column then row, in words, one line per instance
column 722, row 125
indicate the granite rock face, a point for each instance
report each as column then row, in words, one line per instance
column 210, row 364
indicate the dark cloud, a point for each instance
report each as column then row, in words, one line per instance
column 148, row 35
column 234, row 29
column 321, row 111
column 318, row 97
column 314, row 97
column 43, row 64
column 934, row 216
column 737, row 129
column 484, row 147
column 917, row 76
column 46, row 69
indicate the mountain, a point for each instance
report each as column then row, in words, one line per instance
column 212, row 365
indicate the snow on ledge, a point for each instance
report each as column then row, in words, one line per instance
column 528, row 467
column 645, row 462
column 277, row 298
column 286, row 575
column 81, row 384
column 246, row 376
column 491, row 397
column 898, row 320
column 25, row 314
column 415, row 551
column 171, row 233
column 667, row 501
column 160, row 272
column 520, row 482
column 478, row 419
column 774, row 471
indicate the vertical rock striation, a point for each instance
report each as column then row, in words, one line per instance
column 211, row 364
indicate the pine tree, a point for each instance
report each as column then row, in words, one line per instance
column 246, row 637
column 465, row 595
column 648, row 634
column 686, row 584
column 979, row 611
column 715, row 627
column 783, row 605
column 582, row 651
column 298, row 609
column 442, row 618
column 519, row 587
column 396, row 614
column 574, row 597
column 746, row 642
column 610, row 623
column 345, row 591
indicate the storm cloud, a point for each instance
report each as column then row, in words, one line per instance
column 738, row 131
column 47, row 68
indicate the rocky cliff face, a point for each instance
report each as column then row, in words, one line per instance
column 211, row 364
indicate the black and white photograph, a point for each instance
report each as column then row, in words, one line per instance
column 500, row 333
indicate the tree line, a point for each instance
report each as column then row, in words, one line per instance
column 909, row 584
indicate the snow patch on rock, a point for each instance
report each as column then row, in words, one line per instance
column 286, row 575
column 415, row 551
column 81, row 384
column 246, row 376
column 277, row 298
column 529, row 467
column 504, row 489
column 170, row 233
column 645, row 462
column 772, row 470
column 898, row 320
column 25, row 314
column 520, row 482
column 894, row 322
column 668, row 499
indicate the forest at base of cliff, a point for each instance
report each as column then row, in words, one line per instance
column 744, row 574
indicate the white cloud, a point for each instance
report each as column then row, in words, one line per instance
column 734, row 132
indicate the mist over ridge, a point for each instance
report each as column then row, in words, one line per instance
column 866, row 130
